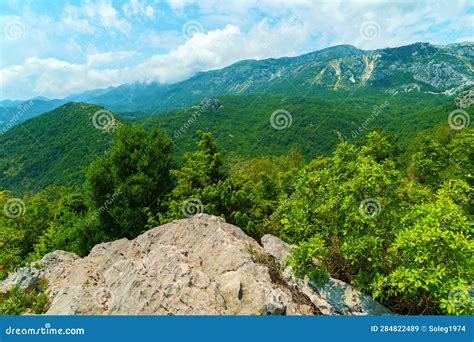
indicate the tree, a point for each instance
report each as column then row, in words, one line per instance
column 132, row 178
column 431, row 255
column 406, row 243
column 197, row 181
column 23, row 222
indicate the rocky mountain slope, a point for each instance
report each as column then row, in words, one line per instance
column 195, row 266
column 420, row 67
column 417, row 67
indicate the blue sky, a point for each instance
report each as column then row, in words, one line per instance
column 55, row 48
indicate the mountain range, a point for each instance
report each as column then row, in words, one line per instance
column 418, row 67
column 325, row 96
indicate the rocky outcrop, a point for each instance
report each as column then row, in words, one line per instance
column 334, row 297
column 196, row 266
column 28, row 277
column 210, row 102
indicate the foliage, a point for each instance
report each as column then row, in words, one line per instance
column 18, row 301
column 245, row 195
column 303, row 262
column 134, row 175
column 51, row 219
column 197, row 181
column 51, row 149
column 253, row 189
column 241, row 125
column 406, row 243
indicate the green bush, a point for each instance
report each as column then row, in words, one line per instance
column 409, row 244
column 18, row 301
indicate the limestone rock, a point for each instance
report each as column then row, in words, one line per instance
column 27, row 278
column 276, row 247
column 195, row 266
column 210, row 102
column 335, row 297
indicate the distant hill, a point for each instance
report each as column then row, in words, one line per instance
column 242, row 125
column 54, row 147
column 51, row 148
column 418, row 67
column 14, row 112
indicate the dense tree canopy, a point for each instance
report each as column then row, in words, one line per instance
column 132, row 178
column 394, row 220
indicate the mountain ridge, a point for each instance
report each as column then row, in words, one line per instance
column 423, row 67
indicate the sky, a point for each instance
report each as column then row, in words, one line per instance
column 56, row 48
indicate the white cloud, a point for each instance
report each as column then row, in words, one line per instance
column 56, row 78
column 179, row 5
column 108, row 57
column 139, row 8
column 203, row 51
column 160, row 40
column 89, row 15
column 234, row 30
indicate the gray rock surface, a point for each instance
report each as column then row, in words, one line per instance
column 195, row 266
column 335, row 297
column 210, row 102
column 27, row 278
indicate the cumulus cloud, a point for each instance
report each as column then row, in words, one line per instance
column 57, row 78
column 108, row 57
column 233, row 30
column 203, row 51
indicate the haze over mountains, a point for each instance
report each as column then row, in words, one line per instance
column 420, row 67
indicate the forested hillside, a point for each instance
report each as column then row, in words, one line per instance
column 363, row 160
column 53, row 148
column 398, row 229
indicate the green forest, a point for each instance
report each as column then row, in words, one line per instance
column 390, row 216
